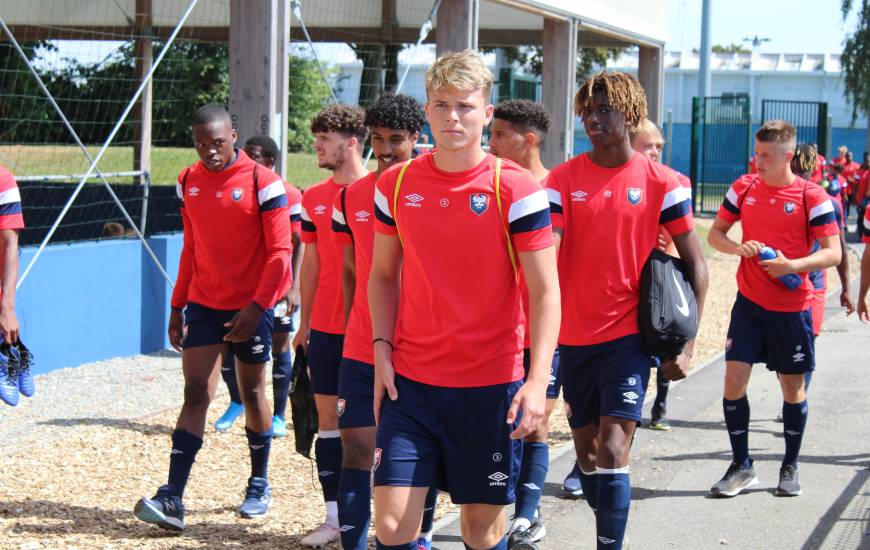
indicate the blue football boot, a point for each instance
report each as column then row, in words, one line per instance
column 25, row 373
column 8, row 376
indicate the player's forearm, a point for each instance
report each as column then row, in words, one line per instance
column 843, row 266
column 545, row 312
column 296, row 259
column 10, row 269
column 383, row 304
column 865, row 274
column 182, row 280
column 273, row 282
column 719, row 240
column 308, row 275
column 348, row 280
column 821, row 259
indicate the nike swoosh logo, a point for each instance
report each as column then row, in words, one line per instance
column 683, row 307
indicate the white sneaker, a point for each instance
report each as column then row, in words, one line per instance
column 320, row 537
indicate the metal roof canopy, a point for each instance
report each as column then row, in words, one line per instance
column 612, row 23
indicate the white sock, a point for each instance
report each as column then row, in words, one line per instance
column 332, row 513
column 520, row 524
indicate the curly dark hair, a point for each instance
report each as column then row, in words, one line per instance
column 623, row 91
column 348, row 120
column 524, row 115
column 397, row 112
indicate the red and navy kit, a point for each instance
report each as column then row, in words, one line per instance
column 819, row 279
column 819, row 172
column 685, row 182
column 865, row 231
column 327, row 314
column 610, row 218
column 786, row 219
column 460, row 320
column 236, row 237
column 294, row 206
column 10, row 202
column 353, row 222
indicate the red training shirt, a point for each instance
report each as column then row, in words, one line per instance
column 777, row 217
column 610, row 219
column 327, row 314
column 460, row 319
column 353, row 225
column 10, row 201
column 236, row 237
column 294, row 205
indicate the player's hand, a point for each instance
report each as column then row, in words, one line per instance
column 9, row 325
column 301, row 339
column 176, row 329
column 863, row 310
column 385, row 377
column 531, row 399
column 846, row 301
column 778, row 266
column 662, row 243
column 294, row 301
column 749, row 249
column 243, row 324
column 677, row 367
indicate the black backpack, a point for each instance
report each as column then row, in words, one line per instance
column 302, row 406
column 668, row 312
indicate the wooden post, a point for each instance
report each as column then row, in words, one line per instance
column 650, row 73
column 254, row 54
column 142, row 114
column 558, row 82
column 282, row 87
column 457, row 26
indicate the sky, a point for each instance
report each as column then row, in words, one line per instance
column 795, row 26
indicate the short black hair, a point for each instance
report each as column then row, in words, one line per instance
column 267, row 144
column 397, row 112
column 525, row 116
column 211, row 112
column 348, row 120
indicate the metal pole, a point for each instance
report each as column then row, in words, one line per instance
column 670, row 136
column 296, row 6
column 103, row 149
column 704, row 79
column 146, row 192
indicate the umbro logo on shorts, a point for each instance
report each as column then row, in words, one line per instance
column 498, row 479
column 258, row 348
column 630, row 397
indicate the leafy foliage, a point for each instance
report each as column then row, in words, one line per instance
column 855, row 60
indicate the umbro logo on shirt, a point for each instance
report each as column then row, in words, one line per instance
column 750, row 201
column 319, row 209
column 193, row 192
column 578, row 196
column 414, row 200
column 362, row 216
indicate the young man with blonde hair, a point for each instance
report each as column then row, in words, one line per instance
column 772, row 323
column 454, row 227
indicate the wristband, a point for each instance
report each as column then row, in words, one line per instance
column 384, row 340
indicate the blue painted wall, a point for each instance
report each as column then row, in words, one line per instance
column 90, row 301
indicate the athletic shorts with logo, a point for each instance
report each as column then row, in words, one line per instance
column 555, row 385
column 455, row 439
column 356, row 384
column 782, row 339
column 324, row 358
column 205, row 327
column 283, row 325
column 605, row 379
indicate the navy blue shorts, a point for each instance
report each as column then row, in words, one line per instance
column 324, row 358
column 606, row 379
column 356, row 390
column 283, row 325
column 205, row 327
column 783, row 340
column 455, row 439
column 555, row 385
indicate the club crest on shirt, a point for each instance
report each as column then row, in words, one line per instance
column 634, row 195
column 479, row 202
column 341, row 406
column 789, row 207
column 238, row 192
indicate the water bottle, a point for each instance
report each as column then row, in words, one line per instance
column 792, row 280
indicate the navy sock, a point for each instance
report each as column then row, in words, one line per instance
column 354, row 508
column 281, row 366
column 794, row 423
column 589, row 482
column 260, row 445
column 660, row 405
column 429, row 511
column 228, row 373
column 407, row 546
column 185, row 445
column 737, row 421
column 501, row 545
column 611, row 515
column 327, row 454
column 533, row 474
column 808, row 377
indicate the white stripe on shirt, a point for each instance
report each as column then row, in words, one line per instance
column 305, row 215
column 382, row 203
column 337, row 216
column 731, row 196
column 821, row 209
column 529, row 204
column 296, row 209
column 274, row 189
column 676, row 196
column 554, row 196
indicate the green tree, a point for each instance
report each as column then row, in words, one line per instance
column 531, row 58
column 730, row 48
column 308, row 94
column 24, row 110
column 855, row 62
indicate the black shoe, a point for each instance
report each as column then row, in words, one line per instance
column 521, row 539
column 736, row 480
column 788, row 482
column 164, row 510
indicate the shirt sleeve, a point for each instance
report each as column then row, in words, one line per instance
column 676, row 210
column 340, row 227
column 554, row 198
column 185, row 263
column 865, row 230
column 11, row 216
column 294, row 203
column 729, row 211
column 384, row 188
column 276, row 278
column 527, row 212
column 822, row 219
column 309, row 230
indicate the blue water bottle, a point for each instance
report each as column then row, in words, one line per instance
column 792, row 280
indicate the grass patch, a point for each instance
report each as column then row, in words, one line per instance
column 166, row 162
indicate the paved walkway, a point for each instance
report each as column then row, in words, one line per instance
column 672, row 472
